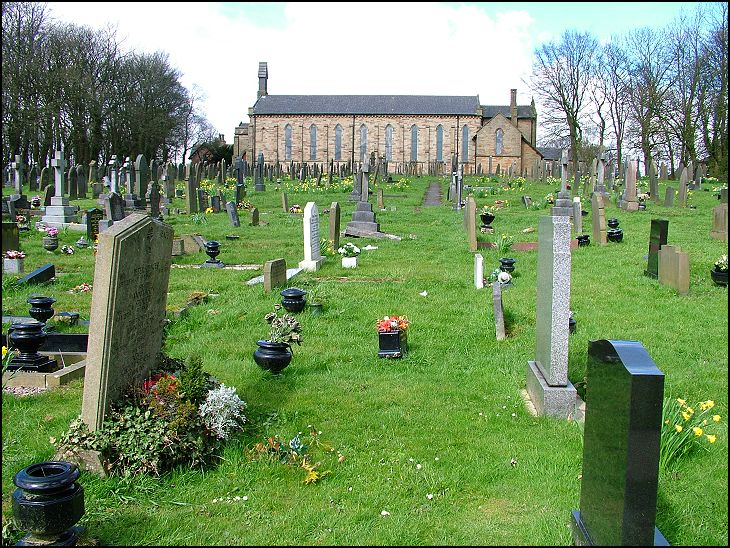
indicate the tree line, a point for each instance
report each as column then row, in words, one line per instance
column 656, row 94
column 72, row 87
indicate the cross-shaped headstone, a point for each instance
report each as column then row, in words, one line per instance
column 113, row 167
column 19, row 168
column 59, row 166
column 564, row 171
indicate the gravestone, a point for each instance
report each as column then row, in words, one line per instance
column 93, row 172
column 254, row 216
column 152, row 198
column 191, row 198
column 284, row 202
column 93, row 217
column 381, row 201
column 81, row 181
column 203, row 203
column 113, row 210
column 40, row 275
column 215, row 203
column 598, row 219
column 259, row 174
column 363, row 219
column 178, row 247
column 621, row 446
column 59, row 211
column 719, row 222
column 653, row 183
column 663, row 175
column 478, row 271
column 10, row 237
column 628, row 201
column 470, row 214
column 723, row 195
column 669, row 197
column 674, row 268
column 657, row 239
column 547, row 377
column 335, row 225
column 142, row 175
column 577, row 216
column 33, row 178
column 45, row 178
column 19, row 169
column 312, row 255
column 233, row 214
column 683, row 180
column 274, row 274
column 73, row 183
column 127, row 311
column 563, row 204
column 47, row 195
column 526, row 201
column 240, row 193
column 498, row 311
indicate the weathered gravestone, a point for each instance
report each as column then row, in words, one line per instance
column 669, row 197
column 527, row 201
column 312, row 255
column 683, row 181
column 628, row 201
column 657, row 239
column 478, row 271
column 335, row 225
column 127, row 311
column 719, row 222
column 215, row 203
column 674, row 268
column 598, row 219
column 59, row 211
column 153, row 197
column 113, row 210
column 203, row 203
column 470, row 217
column 93, row 218
column 621, row 445
column 10, row 237
column 274, row 274
column 577, row 216
column 191, row 199
column 254, row 216
column 547, row 377
column 81, row 181
column 498, row 311
column 233, row 214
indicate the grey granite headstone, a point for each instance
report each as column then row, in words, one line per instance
column 547, row 377
column 657, row 238
column 498, row 311
column 669, row 197
column 312, row 255
column 683, row 180
column 274, row 274
column 335, row 225
column 233, row 214
column 127, row 311
column 621, row 446
column 720, row 222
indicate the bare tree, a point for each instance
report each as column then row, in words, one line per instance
column 561, row 75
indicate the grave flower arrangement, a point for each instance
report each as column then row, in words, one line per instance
column 35, row 202
column 51, row 232
column 67, row 249
column 283, row 329
column 296, row 208
column 22, row 220
column 721, row 264
column 349, row 250
column 180, row 415
column 392, row 323
column 13, row 254
column 488, row 210
column 685, row 430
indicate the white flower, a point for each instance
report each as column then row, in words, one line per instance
column 418, row 466
column 385, row 513
column 429, row 496
column 504, row 277
column 222, row 411
column 423, row 293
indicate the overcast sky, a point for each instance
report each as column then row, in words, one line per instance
column 345, row 48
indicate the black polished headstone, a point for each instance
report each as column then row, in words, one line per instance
column 10, row 237
column 39, row 275
column 657, row 238
column 620, row 448
column 93, row 216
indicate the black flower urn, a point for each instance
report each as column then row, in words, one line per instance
column 392, row 344
column 293, row 299
column 615, row 234
column 612, row 223
column 272, row 356
column 719, row 277
column 487, row 219
column 27, row 338
column 41, row 308
column 583, row 240
column 47, row 503
column 212, row 248
column 507, row 264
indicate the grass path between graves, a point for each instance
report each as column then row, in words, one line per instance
column 438, row 447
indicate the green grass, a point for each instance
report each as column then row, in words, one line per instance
column 447, row 406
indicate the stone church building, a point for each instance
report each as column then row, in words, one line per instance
column 404, row 128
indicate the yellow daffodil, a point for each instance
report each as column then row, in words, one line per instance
column 690, row 411
column 697, row 431
column 681, row 401
column 666, row 421
column 678, row 427
column 711, row 438
column 715, row 418
column 704, row 422
column 5, row 351
column 686, row 416
column 709, row 404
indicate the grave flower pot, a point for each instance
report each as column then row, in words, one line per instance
column 293, row 299
column 612, row 223
column 316, row 309
column 583, row 240
column 507, row 264
column 28, row 338
column 41, row 308
column 50, row 243
column 349, row 262
column 14, row 266
column 486, row 218
column 212, row 248
column 615, row 234
column 272, row 356
column 719, row 277
column 48, row 502
column 392, row 344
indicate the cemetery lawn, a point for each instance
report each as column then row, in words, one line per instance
column 437, row 448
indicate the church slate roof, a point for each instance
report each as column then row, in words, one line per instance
column 523, row 111
column 368, row 104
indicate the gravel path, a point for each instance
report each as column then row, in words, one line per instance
column 433, row 195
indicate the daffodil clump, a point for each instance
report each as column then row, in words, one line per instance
column 686, row 428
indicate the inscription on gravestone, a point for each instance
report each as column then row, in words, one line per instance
column 312, row 254
column 93, row 216
column 127, row 311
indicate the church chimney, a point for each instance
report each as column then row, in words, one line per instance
column 263, row 78
column 513, row 106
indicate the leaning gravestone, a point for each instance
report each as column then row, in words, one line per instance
column 274, row 274
column 39, row 275
column 233, row 214
column 621, row 445
column 657, row 238
column 312, row 255
column 127, row 311
column 547, row 377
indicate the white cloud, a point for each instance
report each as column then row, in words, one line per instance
column 333, row 48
